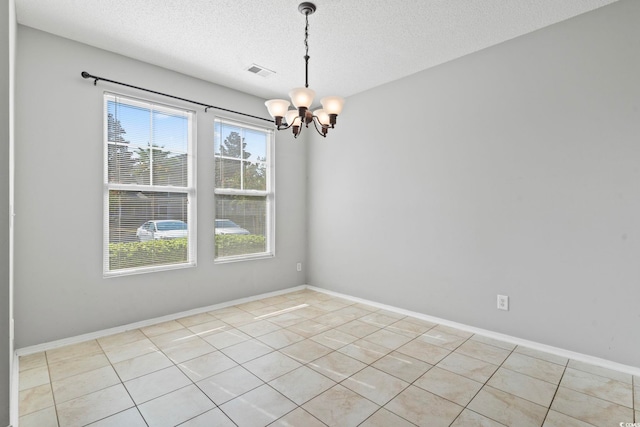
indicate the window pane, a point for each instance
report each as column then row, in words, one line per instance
column 127, row 165
column 256, row 145
column 240, row 225
column 129, row 124
column 170, row 132
column 120, row 161
column 229, row 142
column 169, row 168
column 147, row 228
column 255, row 176
column 228, row 173
column 141, row 166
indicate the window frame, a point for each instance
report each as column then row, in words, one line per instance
column 268, row 193
column 189, row 190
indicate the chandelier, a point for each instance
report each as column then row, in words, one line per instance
column 302, row 97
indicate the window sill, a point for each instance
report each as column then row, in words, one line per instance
column 249, row 257
column 143, row 270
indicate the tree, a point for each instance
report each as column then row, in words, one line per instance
column 120, row 163
column 115, row 129
column 167, row 169
column 255, row 175
column 119, row 157
column 234, row 146
column 235, row 171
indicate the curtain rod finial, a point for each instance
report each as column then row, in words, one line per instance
column 86, row 75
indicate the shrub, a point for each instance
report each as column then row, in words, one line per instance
column 174, row 251
column 239, row 244
column 152, row 252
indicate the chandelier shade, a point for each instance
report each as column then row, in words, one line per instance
column 323, row 117
column 332, row 104
column 302, row 98
column 292, row 118
column 277, row 107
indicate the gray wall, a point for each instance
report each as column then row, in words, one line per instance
column 59, row 289
column 515, row 170
column 7, row 26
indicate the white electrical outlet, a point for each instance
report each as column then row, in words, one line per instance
column 503, row 302
column 299, row 266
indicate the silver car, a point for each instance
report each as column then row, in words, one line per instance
column 226, row 226
column 161, row 229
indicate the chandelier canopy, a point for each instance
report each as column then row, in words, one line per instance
column 302, row 97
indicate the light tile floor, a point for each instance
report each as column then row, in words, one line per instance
column 308, row 359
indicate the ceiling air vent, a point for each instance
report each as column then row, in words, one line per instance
column 260, row 70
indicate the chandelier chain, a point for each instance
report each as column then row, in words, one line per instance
column 306, row 50
column 306, row 35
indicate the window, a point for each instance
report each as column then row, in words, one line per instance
column 149, row 196
column 243, row 226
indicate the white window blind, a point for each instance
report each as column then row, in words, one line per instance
column 244, row 191
column 149, row 198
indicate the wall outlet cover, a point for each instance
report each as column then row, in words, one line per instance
column 503, row 302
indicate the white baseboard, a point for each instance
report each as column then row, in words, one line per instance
column 633, row 370
column 14, row 394
column 111, row 331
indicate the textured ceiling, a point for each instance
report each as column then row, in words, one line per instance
column 353, row 45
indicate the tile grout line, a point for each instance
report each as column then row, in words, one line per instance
column 485, row 383
column 386, row 354
column 53, row 396
column 122, row 383
column 633, row 399
column 337, row 350
column 176, row 365
column 367, row 365
column 263, row 382
column 555, row 394
column 603, row 378
column 135, row 405
column 546, row 415
column 266, row 383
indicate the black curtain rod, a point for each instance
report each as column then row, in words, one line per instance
column 86, row 75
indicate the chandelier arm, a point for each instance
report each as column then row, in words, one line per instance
column 315, row 121
column 281, row 127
